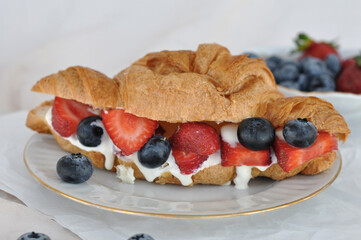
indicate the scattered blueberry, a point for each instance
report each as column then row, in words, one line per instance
column 300, row 133
column 155, row 152
column 287, row 72
column 303, row 82
column 273, row 62
column 34, row 235
column 322, row 83
column 89, row 133
column 333, row 63
column 313, row 66
column 256, row 133
column 309, row 74
column 251, row 55
column 74, row 168
column 141, row 236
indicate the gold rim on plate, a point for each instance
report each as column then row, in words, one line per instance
column 182, row 216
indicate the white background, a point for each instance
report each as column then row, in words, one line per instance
column 40, row 37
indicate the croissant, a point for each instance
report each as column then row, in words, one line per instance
column 175, row 87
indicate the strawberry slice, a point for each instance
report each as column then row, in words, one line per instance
column 239, row 155
column 67, row 114
column 188, row 162
column 290, row 157
column 196, row 137
column 127, row 131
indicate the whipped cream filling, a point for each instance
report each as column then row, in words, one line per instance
column 279, row 134
column 125, row 174
column 244, row 173
column 170, row 166
column 105, row 147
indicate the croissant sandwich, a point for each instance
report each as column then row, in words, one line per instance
column 185, row 117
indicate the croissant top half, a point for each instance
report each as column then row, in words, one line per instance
column 209, row 84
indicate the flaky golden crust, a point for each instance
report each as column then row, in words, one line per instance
column 83, row 85
column 321, row 113
column 36, row 118
column 207, row 85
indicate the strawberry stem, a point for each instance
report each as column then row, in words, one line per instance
column 302, row 42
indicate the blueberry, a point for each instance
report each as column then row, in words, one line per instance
column 89, row 133
column 293, row 63
column 273, row 62
column 155, row 152
column 288, row 72
column 322, row 83
column 34, row 235
column 333, row 63
column 313, row 66
column 291, row 84
column 74, row 168
column 141, row 236
column 300, row 133
column 303, row 82
column 251, row 55
column 256, row 133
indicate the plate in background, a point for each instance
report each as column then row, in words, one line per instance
column 345, row 103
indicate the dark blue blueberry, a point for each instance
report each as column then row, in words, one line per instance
column 322, row 83
column 155, row 152
column 289, row 62
column 34, row 235
column 303, row 82
column 273, row 62
column 256, row 133
column 300, row 133
column 291, row 84
column 288, row 72
column 333, row 63
column 74, row 168
column 89, row 133
column 141, row 236
column 251, row 55
column 313, row 66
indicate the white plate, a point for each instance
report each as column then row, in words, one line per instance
column 103, row 190
column 345, row 103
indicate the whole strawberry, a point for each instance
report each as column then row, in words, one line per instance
column 310, row 47
column 349, row 79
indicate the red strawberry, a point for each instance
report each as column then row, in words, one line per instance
column 127, row 131
column 290, row 157
column 309, row 47
column 197, row 138
column 67, row 114
column 349, row 79
column 240, row 155
column 189, row 162
column 347, row 63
